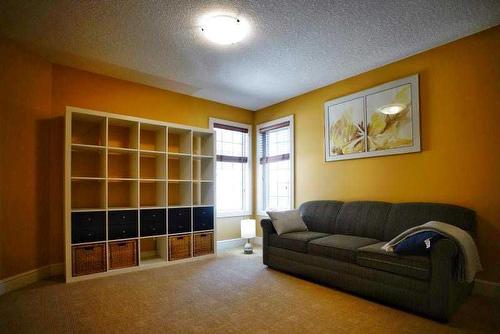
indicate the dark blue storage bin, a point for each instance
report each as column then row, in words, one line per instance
column 153, row 222
column 122, row 224
column 179, row 220
column 203, row 218
column 88, row 226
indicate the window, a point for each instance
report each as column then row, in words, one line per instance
column 233, row 172
column 275, row 165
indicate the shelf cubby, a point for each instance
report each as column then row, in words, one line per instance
column 203, row 193
column 179, row 168
column 203, row 168
column 153, row 194
column 88, row 227
column 203, row 218
column 153, row 137
column 88, row 162
column 179, row 220
column 123, row 224
column 203, row 243
column 153, row 250
column 179, row 193
column 153, row 222
column 179, row 141
column 203, row 143
column 179, row 247
column 88, row 130
column 122, row 164
column 153, row 166
column 88, row 259
column 122, row 134
column 88, row 194
column 122, row 194
column 122, row 254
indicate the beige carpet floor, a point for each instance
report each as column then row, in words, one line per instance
column 231, row 294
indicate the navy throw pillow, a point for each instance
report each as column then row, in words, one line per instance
column 418, row 243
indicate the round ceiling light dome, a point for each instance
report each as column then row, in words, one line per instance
column 224, row 29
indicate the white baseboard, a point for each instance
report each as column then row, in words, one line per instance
column 238, row 242
column 486, row 288
column 21, row 280
column 230, row 243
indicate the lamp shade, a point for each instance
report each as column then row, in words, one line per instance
column 248, row 228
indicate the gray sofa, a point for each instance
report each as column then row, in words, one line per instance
column 343, row 249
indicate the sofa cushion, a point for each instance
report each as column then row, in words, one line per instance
column 373, row 256
column 296, row 241
column 287, row 221
column 320, row 216
column 363, row 218
column 339, row 247
column 406, row 215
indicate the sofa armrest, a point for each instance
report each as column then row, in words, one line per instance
column 267, row 230
column 443, row 265
column 267, row 226
column 444, row 249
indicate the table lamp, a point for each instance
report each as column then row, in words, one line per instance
column 247, row 232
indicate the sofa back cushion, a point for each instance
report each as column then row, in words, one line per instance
column 380, row 220
column 320, row 216
column 406, row 215
column 363, row 219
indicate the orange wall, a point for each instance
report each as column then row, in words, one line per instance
column 88, row 90
column 34, row 94
column 25, row 145
column 460, row 159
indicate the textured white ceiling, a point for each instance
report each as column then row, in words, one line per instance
column 294, row 46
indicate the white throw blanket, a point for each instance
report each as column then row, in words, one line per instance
column 468, row 258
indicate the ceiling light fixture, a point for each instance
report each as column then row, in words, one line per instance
column 224, row 29
column 392, row 109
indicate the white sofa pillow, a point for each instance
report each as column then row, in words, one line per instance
column 287, row 221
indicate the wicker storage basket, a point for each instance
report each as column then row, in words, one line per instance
column 89, row 259
column 179, row 247
column 203, row 243
column 122, row 254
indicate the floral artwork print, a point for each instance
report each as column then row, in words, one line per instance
column 378, row 121
column 347, row 129
column 389, row 131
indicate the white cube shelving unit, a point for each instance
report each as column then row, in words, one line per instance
column 137, row 192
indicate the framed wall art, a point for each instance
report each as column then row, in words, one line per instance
column 382, row 120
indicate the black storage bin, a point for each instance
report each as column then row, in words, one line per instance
column 153, row 222
column 179, row 220
column 122, row 224
column 88, row 226
column 203, row 218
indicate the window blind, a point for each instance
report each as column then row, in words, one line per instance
column 274, row 143
column 230, row 127
column 230, row 158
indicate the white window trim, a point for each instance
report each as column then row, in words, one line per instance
column 260, row 210
column 248, row 187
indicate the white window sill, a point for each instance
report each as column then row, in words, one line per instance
column 233, row 214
